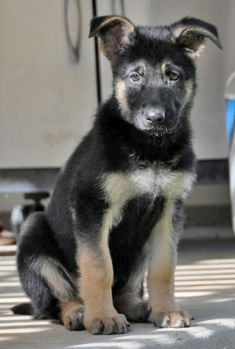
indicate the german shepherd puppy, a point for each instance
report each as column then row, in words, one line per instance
column 116, row 211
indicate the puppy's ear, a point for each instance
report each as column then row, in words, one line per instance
column 115, row 32
column 191, row 34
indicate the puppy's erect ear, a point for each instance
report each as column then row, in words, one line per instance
column 115, row 32
column 191, row 34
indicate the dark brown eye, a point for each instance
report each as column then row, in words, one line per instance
column 135, row 77
column 173, row 75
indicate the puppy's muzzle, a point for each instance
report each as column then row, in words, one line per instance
column 155, row 118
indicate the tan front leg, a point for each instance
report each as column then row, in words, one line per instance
column 95, row 286
column 160, row 279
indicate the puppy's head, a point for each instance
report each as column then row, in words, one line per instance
column 153, row 68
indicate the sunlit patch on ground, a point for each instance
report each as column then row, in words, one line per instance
column 205, row 286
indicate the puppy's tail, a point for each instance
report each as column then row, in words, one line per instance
column 23, row 309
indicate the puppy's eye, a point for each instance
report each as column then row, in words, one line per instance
column 134, row 77
column 173, row 75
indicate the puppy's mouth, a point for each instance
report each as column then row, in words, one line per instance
column 157, row 131
column 162, row 130
column 154, row 130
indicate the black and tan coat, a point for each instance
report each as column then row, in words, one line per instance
column 116, row 211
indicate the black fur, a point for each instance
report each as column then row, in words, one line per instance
column 116, row 144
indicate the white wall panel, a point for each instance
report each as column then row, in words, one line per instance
column 46, row 100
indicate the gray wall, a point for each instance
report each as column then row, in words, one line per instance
column 47, row 100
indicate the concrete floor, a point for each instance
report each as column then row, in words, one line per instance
column 205, row 286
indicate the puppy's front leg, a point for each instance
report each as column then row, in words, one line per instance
column 95, row 282
column 95, row 290
column 160, row 280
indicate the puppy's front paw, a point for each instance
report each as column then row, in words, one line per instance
column 175, row 319
column 103, row 324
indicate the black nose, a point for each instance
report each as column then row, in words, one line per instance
column 154, row 115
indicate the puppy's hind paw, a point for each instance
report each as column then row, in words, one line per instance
column 73, row 318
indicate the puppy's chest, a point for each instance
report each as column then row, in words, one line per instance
column 121, row 187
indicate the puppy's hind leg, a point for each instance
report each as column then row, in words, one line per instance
column 63, row 288
column 44, row 279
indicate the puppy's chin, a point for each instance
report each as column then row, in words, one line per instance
column 161, row 130
column 153, row 131
column 157, row 132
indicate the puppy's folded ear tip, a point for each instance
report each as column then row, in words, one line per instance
column 94, row 24
column 191, row 33
column 219, row 44
column 91, row 34
column 216, row 39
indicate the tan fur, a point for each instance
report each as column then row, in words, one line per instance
column 188, row 85
column 198, row 52
column 121, row 187
column 142, row 63
column 160, row 278
column 68, row 308
column 95, row 283
column 49, row 270
column 71, row 313
column 189, row 91
column 95, row 289
column 120, row 92
column 164, row 65
column 96, row 270
column 201, row 44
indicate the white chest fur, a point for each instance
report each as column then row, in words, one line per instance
column 121, row 187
